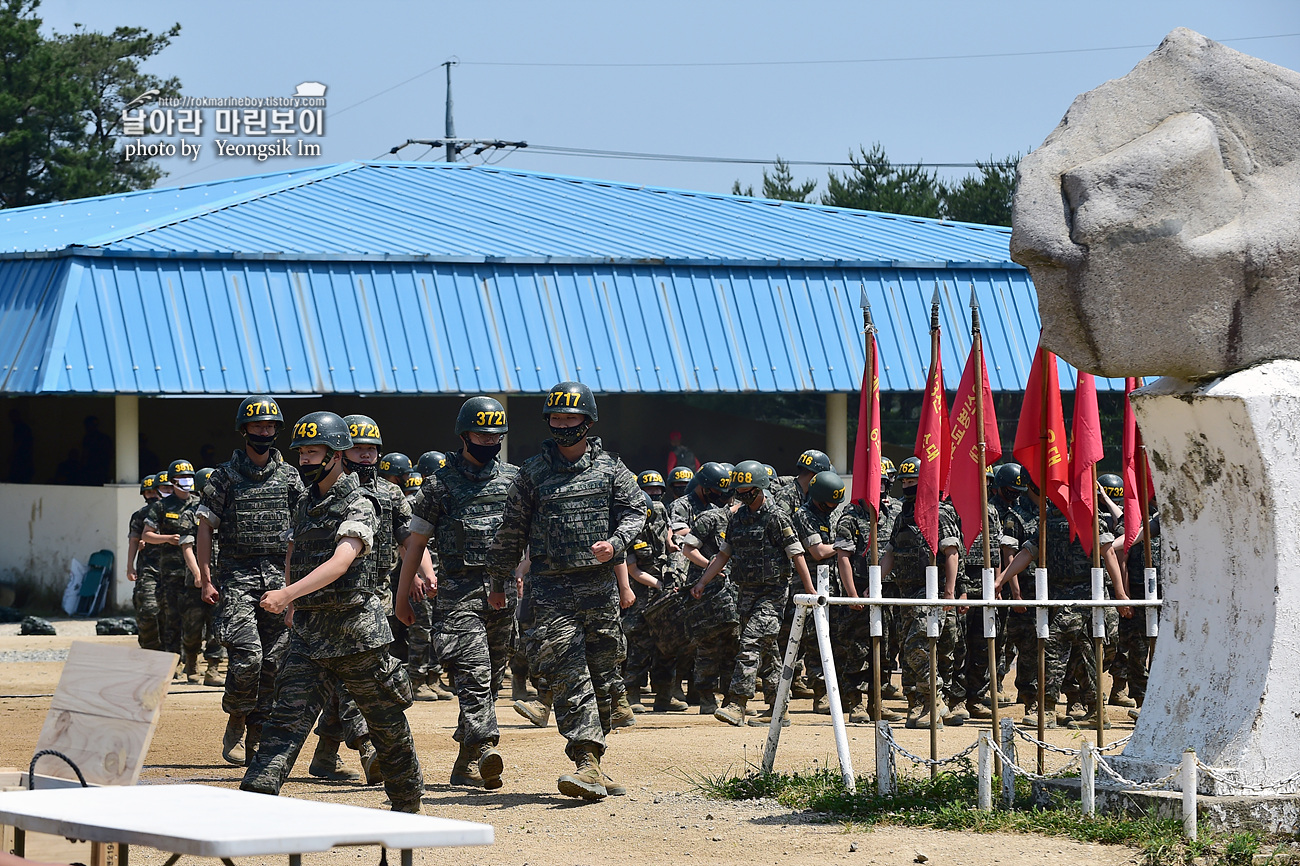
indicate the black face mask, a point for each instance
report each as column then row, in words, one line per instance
column 313, row 473
column 485, row 453
column 260, row 444
column 655, row 497
column 567, row 437
column 748, row 495
column 365, row 472
column 909, row 493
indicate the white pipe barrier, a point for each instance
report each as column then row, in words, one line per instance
column 1008, row 737
column 783, row 688
column 1189, row 793
column 986, row 772
column 822, row 625
column 1088, row 779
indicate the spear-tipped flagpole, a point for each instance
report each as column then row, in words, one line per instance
column 934, row 561
column 873, row 571
column 977, row 352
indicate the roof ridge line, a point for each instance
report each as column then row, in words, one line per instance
column 230, row 202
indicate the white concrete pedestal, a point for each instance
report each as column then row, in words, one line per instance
column 1225, row 679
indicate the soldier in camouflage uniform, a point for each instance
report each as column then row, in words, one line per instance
column 213, row 651
column 712, row 620
column 892, row 640
column 142, row 570
column 972, row 665
column 678, row 482
column 761, row 546
column 1017, row 499
column 169, row 524
column 906, row 557
column 1134, row 647
column 249, row 499
column 459, row 509
column 1069, row 575
column 853, row 553
column 338, row 626
column 812, row 526
column 646, row 563
column 576, row 508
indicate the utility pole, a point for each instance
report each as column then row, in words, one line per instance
column 450, row 133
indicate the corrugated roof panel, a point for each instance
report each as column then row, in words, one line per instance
column 456, row 211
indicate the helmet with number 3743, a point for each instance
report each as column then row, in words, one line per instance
column 321, row 428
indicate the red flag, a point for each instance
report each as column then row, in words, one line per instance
column 1027, row 448
column 1132, row 443
column 1087, row 453
column 934, row 450
column 866, row 450
column 966, row 475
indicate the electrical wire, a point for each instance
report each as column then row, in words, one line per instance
column 596, row 153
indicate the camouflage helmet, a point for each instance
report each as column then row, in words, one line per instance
column 887, row 468
column 364, row 430
column 483, row 415
column 909, row 469
column 321, row 428
column 570, row 398
column 650, row 478
column 257, row 407
column 771, row 470
column 162, row 479
column 180, row 469
column 430, row 462
column 1010, row 475
column 411, row 483
column 148, row 483
column 201, row 478
column 750, row 473
column 681, row 476
column 713, row 476
column 1112, row 484
column 394, row 463
column 813, row 461
column 826, row 488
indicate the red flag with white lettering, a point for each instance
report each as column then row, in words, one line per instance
column 967, row 470
column 933, row 450
column 866, row 449
column 1087, row 453
column 1131, row 448
column 1028, row 447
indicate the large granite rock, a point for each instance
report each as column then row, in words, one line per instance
column 1161, row 219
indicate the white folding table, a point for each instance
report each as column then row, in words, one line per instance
column 206, row 821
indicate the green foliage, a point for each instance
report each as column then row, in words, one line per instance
column 874, row 183
column 948, row 802
column 60, row 105
column 986, row 197
column 780, row 185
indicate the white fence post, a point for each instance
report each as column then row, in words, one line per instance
column 783, row 687
column 1008, row 736
column 986, row 771
column 1189, row 793
column 822, row 626
column 1088, row 778
column 1153, row 613
column 886, row 784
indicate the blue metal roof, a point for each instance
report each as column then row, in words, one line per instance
column 456, row 212
column 158, row 326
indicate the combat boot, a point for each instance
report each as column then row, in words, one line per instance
column 799, row 688
column 519, row 689
column 919, row 718
column 612, row 788
column 665, row 702
column 490, row 766
column 465, row 771
column 422, row 690
column 214, row 674
column 621, row 714
column 370, row 762
column 733, row 711
column 955, row 715
column 1089, row 720
column 232, row 742
column 889, row 691
column 587, row 782
column 821, row 701
column 192, row 669
column 252, row 739
column 443, row 693
column 766, row 719
column 410, row 807
column 538, row 712
column 1119, row 699
column 178, row 675
column 980, row 710
column 634, row 699
column 326, row 763
column 1031, row 718
column 708, row 703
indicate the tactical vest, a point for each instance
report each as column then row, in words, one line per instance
column 911, row 555
column 472, row 511
column 146, row 556
column 573, row 513
column 383, row 551
column 167, row 516
column 753, row 559
column 259, row 514
column 315, row 540
column 1069, row 569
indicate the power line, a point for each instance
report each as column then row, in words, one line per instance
column 834, row 62
column 557, row 150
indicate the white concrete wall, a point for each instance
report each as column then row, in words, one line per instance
column 43, row 527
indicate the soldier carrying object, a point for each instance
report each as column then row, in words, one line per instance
column 338, row 625
column 576, row 508
column 459, row 508
column 142, row 570
column 166, row 525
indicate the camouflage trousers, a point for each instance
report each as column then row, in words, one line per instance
column 379, row 685
column 643, row 656
column 1022, row 634
column 475, row 646
column 977, row 652
column 579, row 649
column 1078, row 685
column 1069, row 641
column 851, row 647
column 148, row 610
column 340, row 718
column 916, row 653
column 421, row 656
column 185, row 618
column 255, row 639
column 1132, row 648
column 761, row 610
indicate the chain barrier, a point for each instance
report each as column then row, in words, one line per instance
column 1034, row 741
column 1140, row 786
column 895, row 747
column 1010, row 762
column 1289, row 785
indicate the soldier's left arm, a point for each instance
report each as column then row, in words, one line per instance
column 512, row 537
column 627, row 510
column 355, row 535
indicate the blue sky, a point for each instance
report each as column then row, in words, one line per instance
column 931, row 110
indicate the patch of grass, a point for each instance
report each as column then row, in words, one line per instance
column 949, row 802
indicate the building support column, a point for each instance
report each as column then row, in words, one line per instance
column 837, row 431
column 503, row 399
column 126, row 415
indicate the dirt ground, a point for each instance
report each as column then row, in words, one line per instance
column 663, row 820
